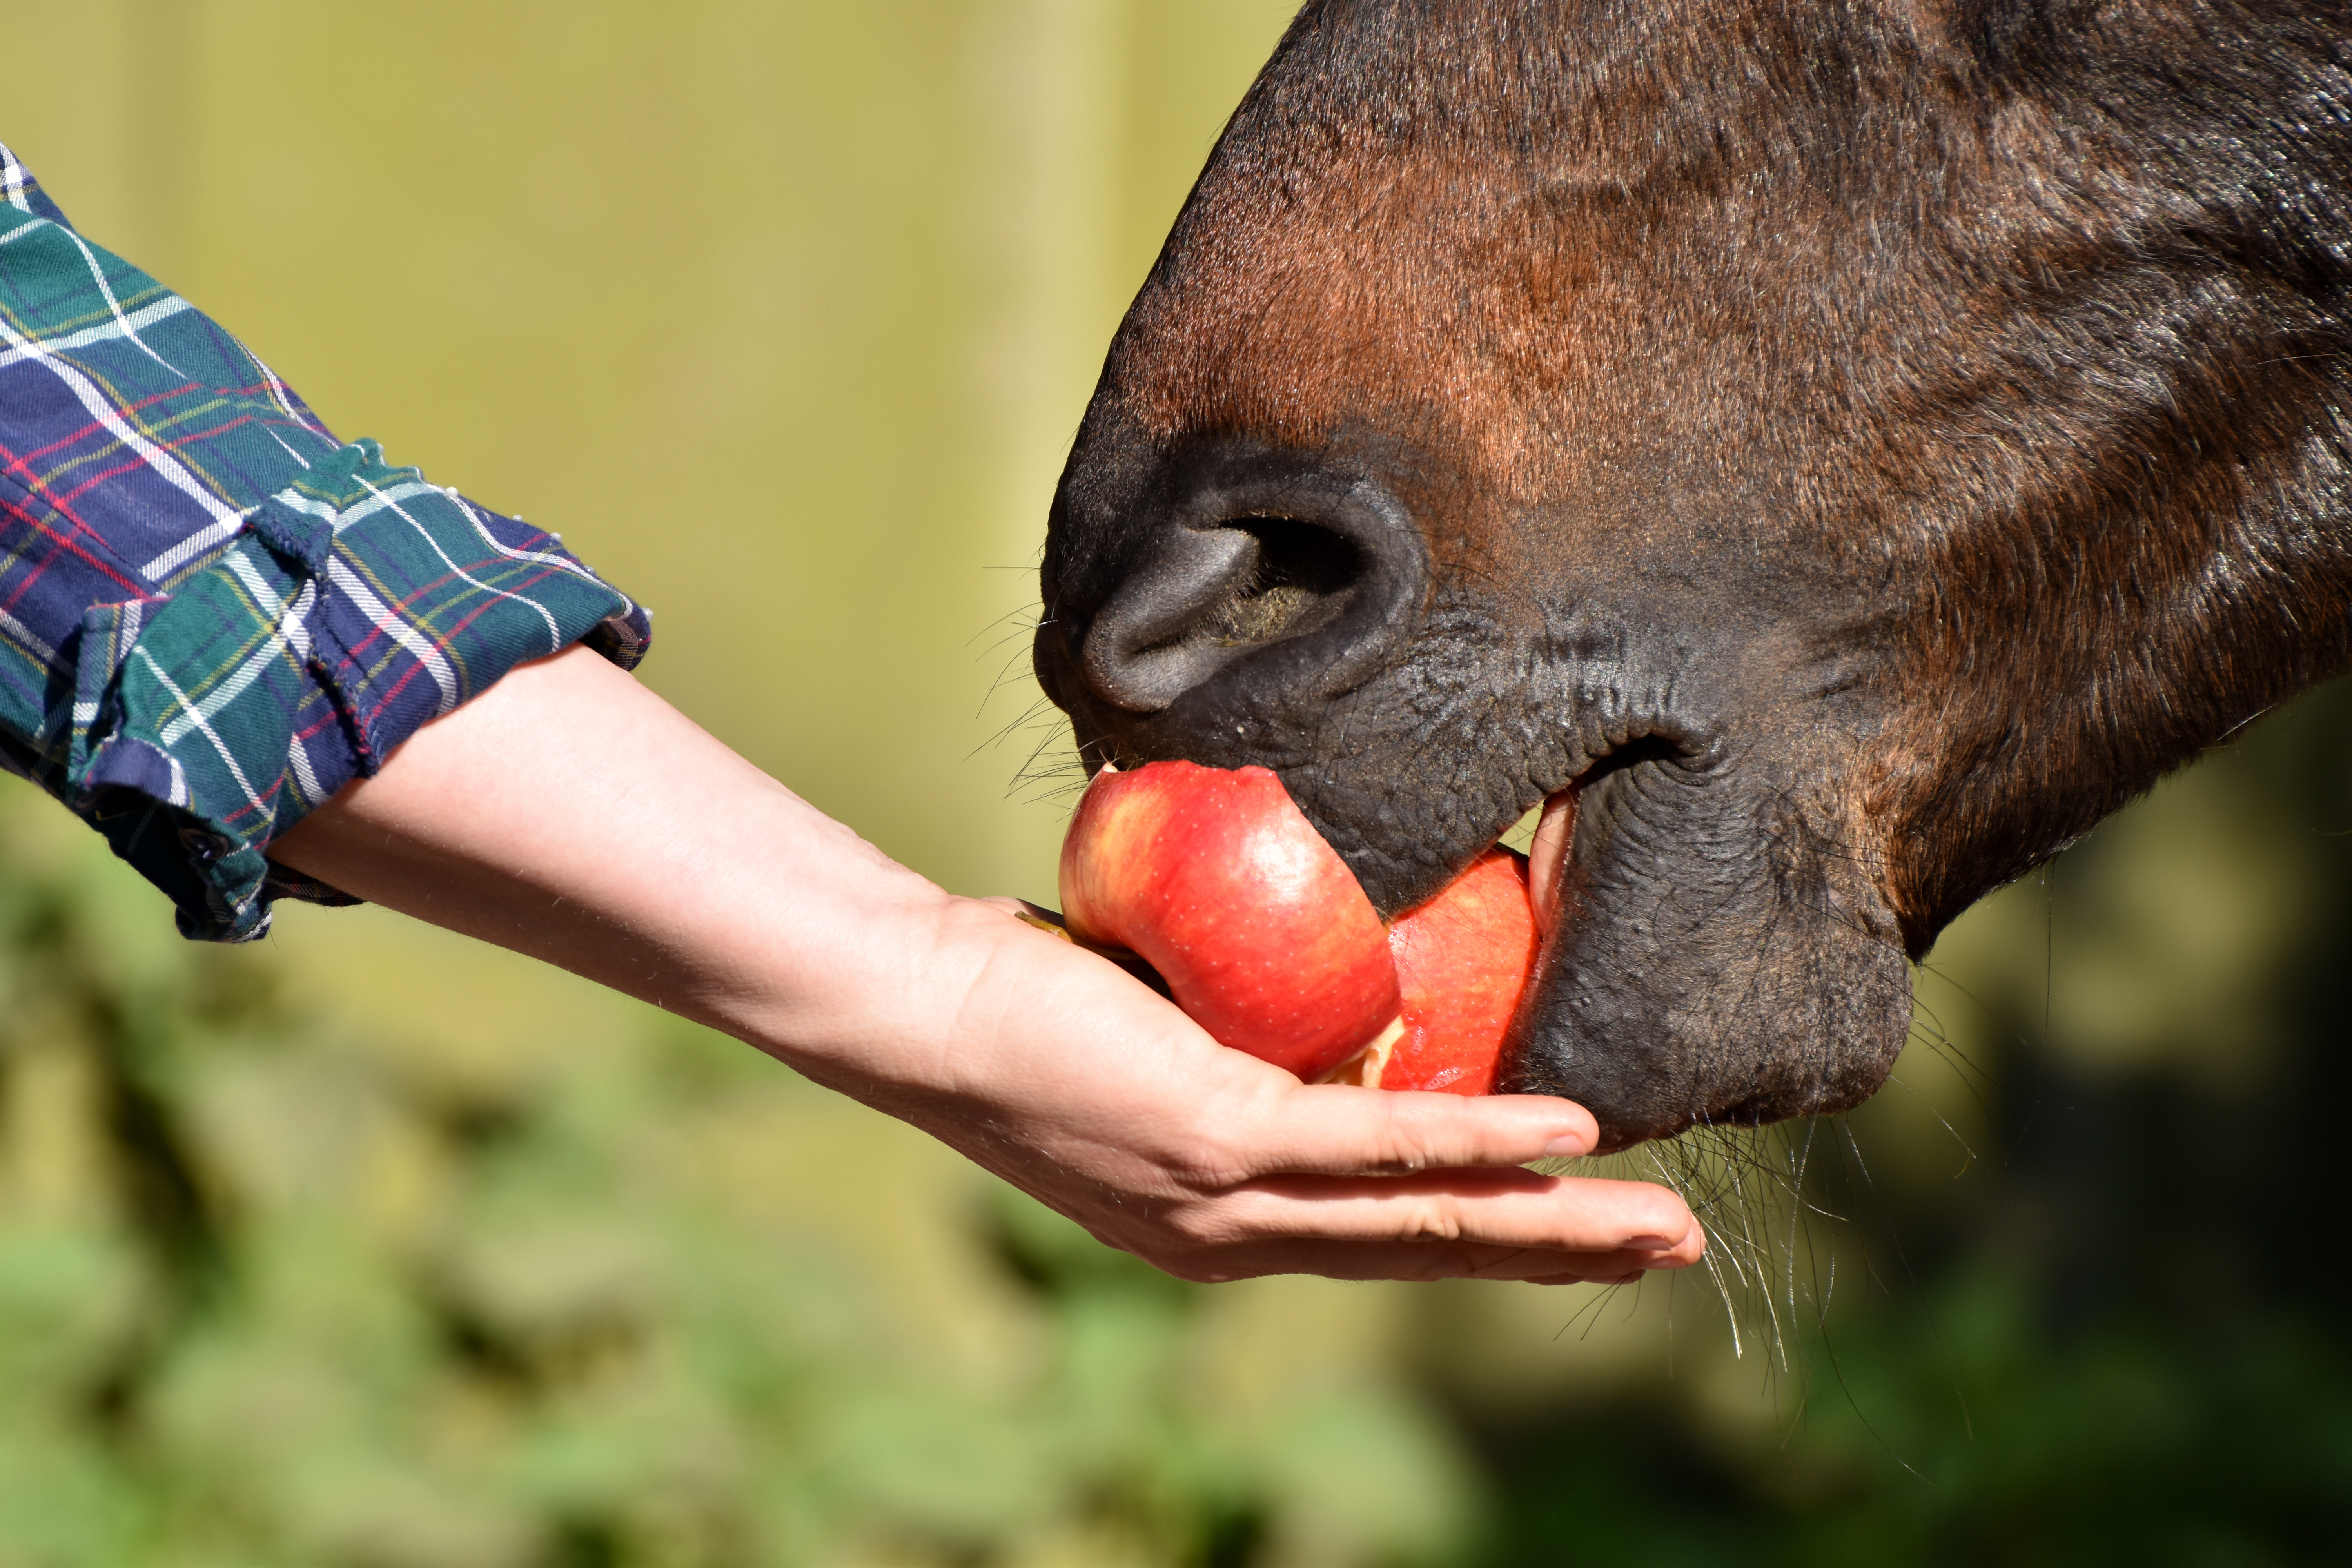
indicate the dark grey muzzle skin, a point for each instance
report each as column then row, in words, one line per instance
column 1720, row 958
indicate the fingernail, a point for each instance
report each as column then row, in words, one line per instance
column 1567, row 1146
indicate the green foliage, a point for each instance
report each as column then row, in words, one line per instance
column 272, row 1293
column 1960, row 1429
column 287, row 1278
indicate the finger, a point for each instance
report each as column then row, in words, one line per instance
column 1540, row 1266
column 1336, row 1130
column 1407, row 1261
column 1493, row 1207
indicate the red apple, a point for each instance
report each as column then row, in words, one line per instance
column 1462, row 960
column 1264, row 937
column 1223, row 887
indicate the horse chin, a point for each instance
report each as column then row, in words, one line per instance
column 1715, row 956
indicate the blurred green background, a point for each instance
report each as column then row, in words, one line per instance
column 784, row 314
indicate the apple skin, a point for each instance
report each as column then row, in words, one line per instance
column 1218, row 881
column 1462, row 959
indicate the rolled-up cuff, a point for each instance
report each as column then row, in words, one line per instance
column 358, row 605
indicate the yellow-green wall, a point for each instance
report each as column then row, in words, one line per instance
column 782, row 314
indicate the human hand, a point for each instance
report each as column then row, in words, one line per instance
column 1073, row 1081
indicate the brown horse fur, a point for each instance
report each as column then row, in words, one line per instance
column 1864, row 443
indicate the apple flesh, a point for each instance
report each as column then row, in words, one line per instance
column 1216, row 879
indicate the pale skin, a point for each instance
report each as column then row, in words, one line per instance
column 572, row 815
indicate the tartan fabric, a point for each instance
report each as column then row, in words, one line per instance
column 213, row 612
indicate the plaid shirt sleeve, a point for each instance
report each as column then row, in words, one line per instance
column 213, row 612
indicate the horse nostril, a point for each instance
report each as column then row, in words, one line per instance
column 1211, row 596
column 1332, row 584
column 1299, row 584
column 1137, row 652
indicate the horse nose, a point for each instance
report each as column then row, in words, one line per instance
column 1314, row 580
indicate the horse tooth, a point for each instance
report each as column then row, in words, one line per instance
column 1548, row 856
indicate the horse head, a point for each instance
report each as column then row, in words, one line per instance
column 1855, row 446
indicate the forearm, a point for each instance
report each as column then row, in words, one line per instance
column 572, row 815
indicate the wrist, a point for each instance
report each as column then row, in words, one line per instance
column 864, row 983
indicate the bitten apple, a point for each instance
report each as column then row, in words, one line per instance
column 1462, row 961
column 1218, row 881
